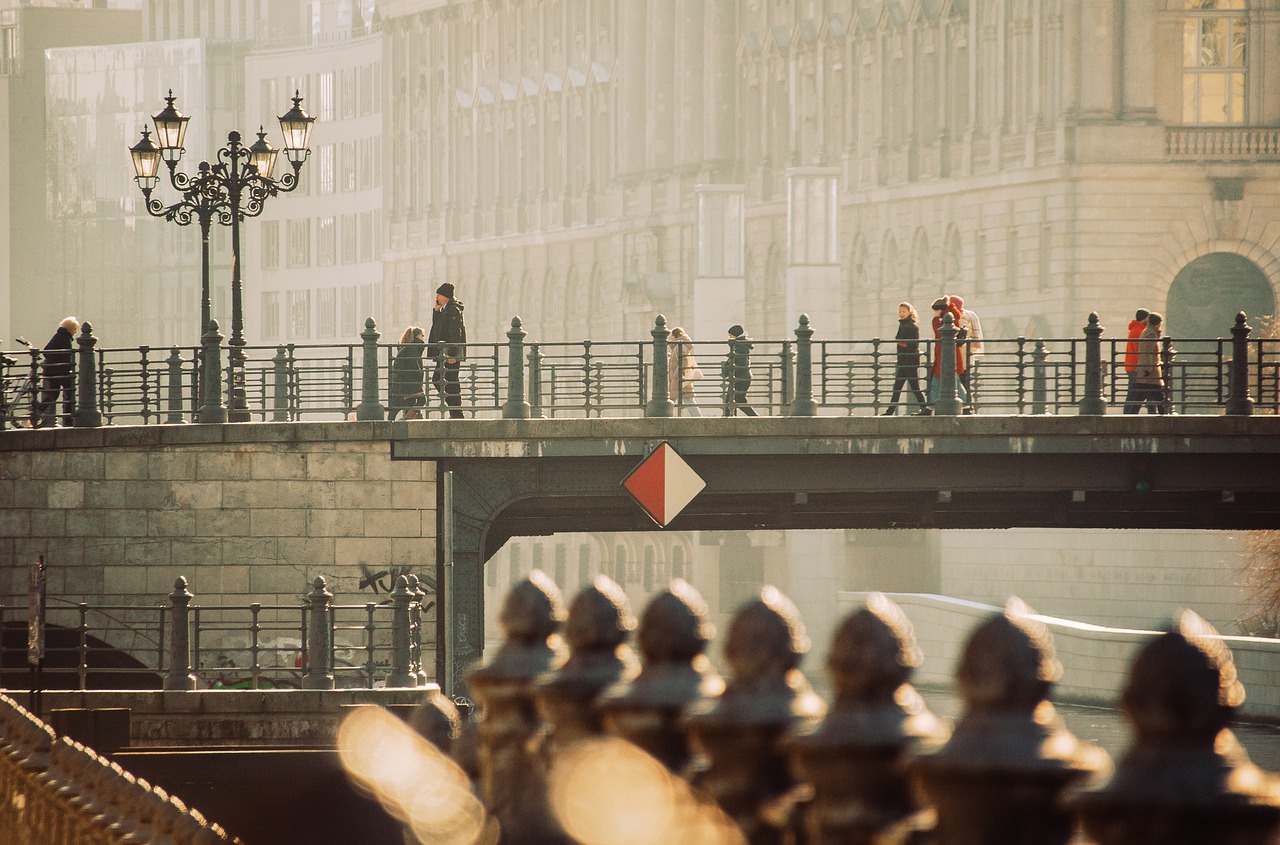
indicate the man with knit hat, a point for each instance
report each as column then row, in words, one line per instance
column 447, row 345
column 736, row 372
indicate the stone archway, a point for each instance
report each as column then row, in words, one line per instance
column 1207, row 294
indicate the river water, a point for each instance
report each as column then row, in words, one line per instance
column 1108, row 728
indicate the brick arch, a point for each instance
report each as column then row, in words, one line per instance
column 1267, row 261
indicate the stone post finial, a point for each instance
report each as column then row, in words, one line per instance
column 86, row 414
column 400, row 674
column 517, row 405
column 211, row 409
column 319, row 637
column 948, row 404
column 1239, row 403
column 660, row 403
column 856, row 757
column 1009, row 733
column 741, row 731
column 370, row 407
column 1185, row 779
column 803, row 405
column 1093, row 402
column 672, row 639
column 596, row 630
column 181, row 675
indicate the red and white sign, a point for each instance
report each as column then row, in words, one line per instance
column 663, row 484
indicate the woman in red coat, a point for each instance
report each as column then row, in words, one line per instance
column 941, row 306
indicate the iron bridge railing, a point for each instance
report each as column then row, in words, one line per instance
column 315, row 644
column 1236, row 374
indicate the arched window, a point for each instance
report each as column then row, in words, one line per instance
column 1214, row 61
column 921, row 264
column 951, row 260
column 890, row 271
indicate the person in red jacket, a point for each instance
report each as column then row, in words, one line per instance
column 944, row 305
column 1136, row 327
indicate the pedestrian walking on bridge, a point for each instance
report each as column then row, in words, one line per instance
column 448, row 347
column 736, row 372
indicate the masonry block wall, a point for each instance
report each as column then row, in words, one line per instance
column 245, row 513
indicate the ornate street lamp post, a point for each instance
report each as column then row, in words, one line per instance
column 234, row 187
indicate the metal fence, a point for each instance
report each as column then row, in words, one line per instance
column 251, row 646
column 291, row 382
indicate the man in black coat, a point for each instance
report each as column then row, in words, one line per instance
column 59, row 375
column 736, row 372
column 447, row 343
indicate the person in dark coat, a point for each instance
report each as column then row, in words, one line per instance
column 448, row 347
column 736, row 371
column 408, row 377
column 59, row 375
column 908, row 364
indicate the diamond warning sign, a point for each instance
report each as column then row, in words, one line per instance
column 663, row 484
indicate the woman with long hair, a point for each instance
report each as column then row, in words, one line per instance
column 408, row 384
column 682, row 372
column 908, row 365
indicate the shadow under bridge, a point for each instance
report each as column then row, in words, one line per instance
column 508, row 478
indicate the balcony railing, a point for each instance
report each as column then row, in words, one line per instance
column 1223, row 143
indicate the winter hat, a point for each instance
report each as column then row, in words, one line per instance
column 446, row 289
column 737, row 330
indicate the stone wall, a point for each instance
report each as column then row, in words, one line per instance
column 245, row 513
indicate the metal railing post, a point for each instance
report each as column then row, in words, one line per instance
column 535, row 382
column 803, row 405
column 280, row 395
column 516, row 407
column 174, row 362
column 212, row 409
column 400, row 674
column 415, row 629
column 370, row 387
column 86, row 410
column 1239, row 403
column 949, row 404
column 660, row 405
column 1093, row 403
column 786, row 377
column 319, row 643
column 1039, row 385
column 180, row 676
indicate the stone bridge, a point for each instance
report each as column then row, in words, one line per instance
column 251, row 513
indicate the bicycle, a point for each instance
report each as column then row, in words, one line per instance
column 19, row 394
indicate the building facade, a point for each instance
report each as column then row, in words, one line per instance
column 32, row 299
column 588, row 165
column 581, row 162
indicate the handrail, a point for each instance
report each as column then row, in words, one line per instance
column 258, row 646
column 596, row 378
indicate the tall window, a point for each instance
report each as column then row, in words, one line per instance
column 327, row 241
column 270, row 315
column 1214, row 53
column 326, row 169
column 270, row 244
column 300, row 243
